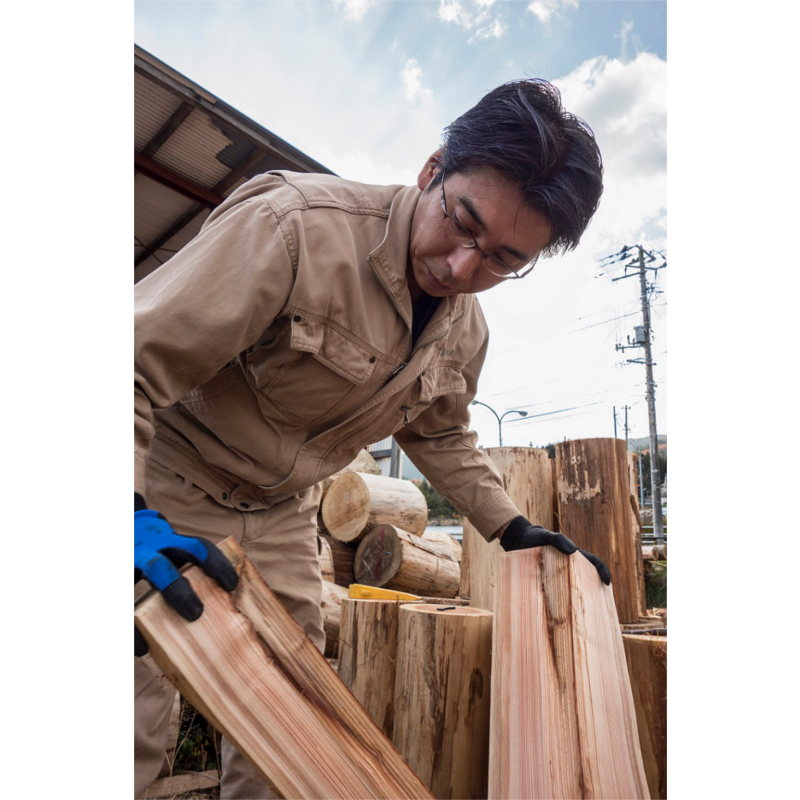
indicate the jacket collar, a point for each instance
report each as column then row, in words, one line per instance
column 389, row 261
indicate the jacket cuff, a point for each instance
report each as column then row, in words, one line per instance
column 492, row 514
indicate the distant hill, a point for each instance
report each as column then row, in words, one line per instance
column 643, row 443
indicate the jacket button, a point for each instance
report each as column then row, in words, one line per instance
column 244, row 505
column 224, row 496
column 297, row 318
column 372, row 360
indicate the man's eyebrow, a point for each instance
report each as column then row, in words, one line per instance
column 470, row 206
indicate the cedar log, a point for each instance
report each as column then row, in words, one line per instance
column 563, row 721
column 647, row 666
column 441, row 701
column 594, row 509
column 393, row 558
column 325, row 557
column 356, row 502
column 331, row 605
column 368, row 655
column 250, row 669
column 445, row 539
column 527, row 477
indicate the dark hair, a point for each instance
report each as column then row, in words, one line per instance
column 522, row 130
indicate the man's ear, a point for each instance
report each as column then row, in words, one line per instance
column 432, row 166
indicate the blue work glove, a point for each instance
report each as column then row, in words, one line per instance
column 520, row 535
column 158, row 552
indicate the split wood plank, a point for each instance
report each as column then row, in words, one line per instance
column 594, row 509
column 356, row 502
column 563, row 722
column 527, row 477
column 250, row 669
column 391, row 557
column 441, row 703
column 647, row 666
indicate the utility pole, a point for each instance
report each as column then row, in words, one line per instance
column 642, row 339
column 615, row 422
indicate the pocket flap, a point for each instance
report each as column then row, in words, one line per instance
column 436, row 381
column 333, row 349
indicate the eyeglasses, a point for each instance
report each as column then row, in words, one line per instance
column 493, row 264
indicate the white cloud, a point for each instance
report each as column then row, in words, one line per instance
column 354, row 9
column 630, row 44
column 546, row 10
column 475, row 16
column 412, row 83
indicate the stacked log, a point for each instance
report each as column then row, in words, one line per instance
column 392, row 558
column 338, row 558
column 356, row 502
column 446, row 540
column 528, row 479
column 594, row 510
column 441, row 701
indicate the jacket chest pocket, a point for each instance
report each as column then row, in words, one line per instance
column 441, row 380
column 309, row 371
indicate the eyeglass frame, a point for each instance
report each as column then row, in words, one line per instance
column 473, row 245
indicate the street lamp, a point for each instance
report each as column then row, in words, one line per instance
column 499, row 419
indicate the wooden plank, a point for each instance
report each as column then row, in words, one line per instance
column 180, row 784
column 563, row 723
column 594, row 509
column 441, row 703
column 647, row 666
column 528, row 478
column 250, row 669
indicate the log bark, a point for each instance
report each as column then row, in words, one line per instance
column 325, row 557
column 368, row 656
column 528, row 479
column 445, row 539
column 647, row 666
column 441, row 704
column 357, row 502
column 331, row 605
column 342, row 556
column 393, row 558
column 249, row 668
column 594, row 508
column 563, row 722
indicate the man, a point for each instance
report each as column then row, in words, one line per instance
column 313, row 316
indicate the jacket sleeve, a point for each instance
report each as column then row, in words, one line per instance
column 207, row 304
column 441, row 445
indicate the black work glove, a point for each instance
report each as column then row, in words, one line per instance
column 520, row 535
column 158, row 553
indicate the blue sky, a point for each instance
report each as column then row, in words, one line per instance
column 366, row 89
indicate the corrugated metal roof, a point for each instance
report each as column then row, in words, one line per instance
column 190, row 148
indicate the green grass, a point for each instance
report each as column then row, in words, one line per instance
column 655, row 585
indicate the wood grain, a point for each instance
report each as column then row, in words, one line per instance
column 594, row 508
column 563, row 723
column 528, row 479
column 250, row 669
column 442, row 700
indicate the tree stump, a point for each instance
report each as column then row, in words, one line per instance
column 441, row 701
column 356, row 502
column 594, row 509
column 528, row 479
column 393, row 558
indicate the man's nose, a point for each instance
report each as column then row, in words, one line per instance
column 463, row 262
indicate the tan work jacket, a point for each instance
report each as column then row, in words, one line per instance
column 277, row 343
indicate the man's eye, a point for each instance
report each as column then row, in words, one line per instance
column 460, row 228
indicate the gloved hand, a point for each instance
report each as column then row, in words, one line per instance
column 520, row 535
column 158, row 552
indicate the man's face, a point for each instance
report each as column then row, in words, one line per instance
column 484, row 206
